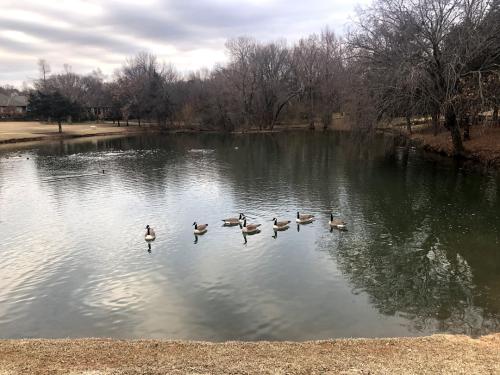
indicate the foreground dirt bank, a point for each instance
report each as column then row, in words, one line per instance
column 438, row 354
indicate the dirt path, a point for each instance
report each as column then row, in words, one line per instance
column 438, row 354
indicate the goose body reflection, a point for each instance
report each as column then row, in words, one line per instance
column 275, row 232
column 150, row 234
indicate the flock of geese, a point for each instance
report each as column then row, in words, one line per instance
column 249, row 228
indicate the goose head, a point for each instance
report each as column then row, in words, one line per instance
column 275, row 220
column 331, row 217
column 195, row 225
column 298, row 215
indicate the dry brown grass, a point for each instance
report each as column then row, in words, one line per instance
column 484, row 145
column 438, row 354
column 14, row 132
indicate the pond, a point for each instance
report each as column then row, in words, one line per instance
column 421, row 254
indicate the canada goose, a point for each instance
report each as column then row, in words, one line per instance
column 232, row 221
column 280, row 225
column 200, row 228
column 304, row 218
column 150, row 234
column 337, row 223
column 249, row 228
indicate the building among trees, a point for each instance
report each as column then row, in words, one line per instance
column 13, row 106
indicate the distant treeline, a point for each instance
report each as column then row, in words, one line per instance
column 436, row 59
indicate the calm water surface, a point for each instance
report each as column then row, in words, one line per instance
column 422, row 253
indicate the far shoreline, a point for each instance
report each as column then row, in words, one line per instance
column 482, row 151
column 35, row 132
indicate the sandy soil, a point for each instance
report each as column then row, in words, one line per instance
column 13, row 132
column 483, row 147
column 438, row 354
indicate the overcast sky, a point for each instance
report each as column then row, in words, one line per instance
column 90, row 34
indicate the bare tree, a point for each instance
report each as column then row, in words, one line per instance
column 332, row 82
column 305, row 62
column 44, row 69
column 437, row 41
column 241, row 75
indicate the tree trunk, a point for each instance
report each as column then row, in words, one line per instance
column 311, row 111
column 327, row 120
column 139, row 119
column 435, row 122
column 60, row 126
column 456, row 138
column 495, row 115
column 127, row 121
column 408, row 124
column 466, row 125
column 118, row 122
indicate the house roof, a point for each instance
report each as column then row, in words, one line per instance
column 13, row 101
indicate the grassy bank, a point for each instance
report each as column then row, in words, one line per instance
column 438, row 354
column 483, row 147
column 30, row 131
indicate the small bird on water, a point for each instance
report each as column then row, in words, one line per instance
column 232, row 221
column 280, row 225
column 337, row 223
column 150, row 234
column 304, row 218
column 250, row 228
column 200, row 228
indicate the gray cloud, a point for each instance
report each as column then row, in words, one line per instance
column 97, row 33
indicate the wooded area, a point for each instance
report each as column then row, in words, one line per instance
column 430, row 59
